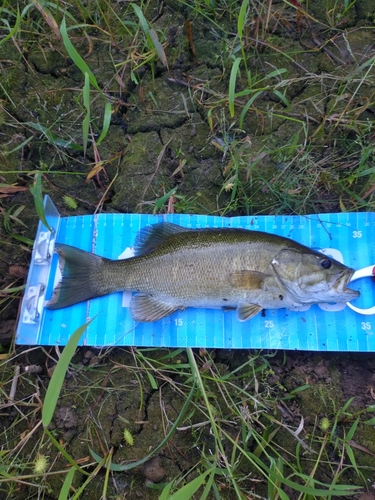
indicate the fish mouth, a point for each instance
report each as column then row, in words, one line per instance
column 342, row 282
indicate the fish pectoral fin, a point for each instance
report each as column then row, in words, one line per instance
column 247, row 280
column 144, row 307
column 246, row 311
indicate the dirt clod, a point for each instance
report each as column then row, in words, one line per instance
column 153, row 470
column 321, row 372
column 65, row 418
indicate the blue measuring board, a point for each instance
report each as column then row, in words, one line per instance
column 348, row 237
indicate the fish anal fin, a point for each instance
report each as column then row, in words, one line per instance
column 149, row 237
column 247, row 280
column 146, row 308
column 246, row 311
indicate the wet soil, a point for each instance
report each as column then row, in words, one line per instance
column 171, row 128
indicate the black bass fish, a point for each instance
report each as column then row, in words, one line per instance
column 176, row 267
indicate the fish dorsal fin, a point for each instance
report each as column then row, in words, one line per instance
column 144, row 307
column 246, row 311
column 247, row 280
column 149, row 237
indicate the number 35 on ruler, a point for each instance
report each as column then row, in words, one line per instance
column 366, row 325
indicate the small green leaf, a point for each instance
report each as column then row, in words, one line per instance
column 299, row 389
column 152, row 380
column 163, row 199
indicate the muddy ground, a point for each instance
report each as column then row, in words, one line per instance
column 180, row 109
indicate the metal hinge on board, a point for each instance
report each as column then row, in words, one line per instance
column 34, row 294
column 40, row 266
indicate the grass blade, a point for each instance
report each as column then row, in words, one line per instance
column 77, row 59
column 159, row 203
column 232, row 84
column 106, row 122
column 189, row 489
column 352, row 430
column 65, row 489
column 158, row 47
column 58, row 376
column 86, row 121
column 242, row 18
column 52, row 138
column 151, row 378
column 142, row 20
column 64, row 453
column 36, row 191
column 47, row 16
column 151, row 36
column 12, row 31
column 20, row 146
column 351, row 457
column 247, row 106
column 165, row 493
column 209, row 484
column 282, row 98
column 276, row 72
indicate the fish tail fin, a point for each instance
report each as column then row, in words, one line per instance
column 80, row 272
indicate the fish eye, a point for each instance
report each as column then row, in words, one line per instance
column 326, row 263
